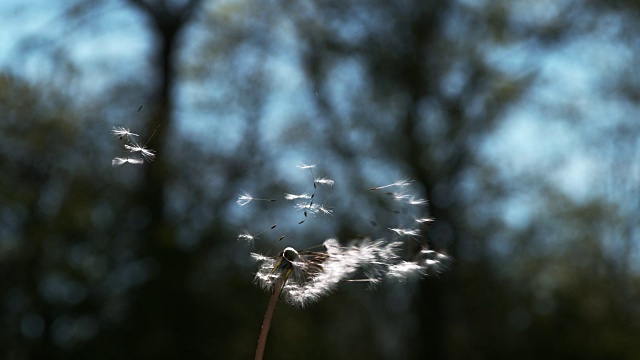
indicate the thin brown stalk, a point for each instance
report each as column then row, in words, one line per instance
column 268, row 316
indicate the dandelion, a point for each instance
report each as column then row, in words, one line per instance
column 301, row 277
column 273, row 276
column 123, row 133
column 397, row 183
column 246, row 198
column 117, row 161
column 147, row 154
column 310, row 275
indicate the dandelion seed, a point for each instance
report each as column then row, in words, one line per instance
column 147, row 154
column 246, row 198
column 310, row 167
column 117, row 161
column 324, row 181
column 424, row 220
column 312, row 208
column 405, row 198
column 275, row 243
column 413, row 201
column 250, row 239
column 426, row 262
column 406, row 232
column 325, row 210
column 396, row 196
column 123, row 133
column 397, row 183
column 247, row 238
column 301, row 206
column 288, row 196
column 404, row 269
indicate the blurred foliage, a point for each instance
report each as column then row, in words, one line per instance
column 142, row 262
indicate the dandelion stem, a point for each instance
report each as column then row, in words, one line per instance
column 268, row 316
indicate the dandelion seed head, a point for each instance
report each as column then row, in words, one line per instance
column 313, row 275
column 302, row 268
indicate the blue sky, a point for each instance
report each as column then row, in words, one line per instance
column 552, row 127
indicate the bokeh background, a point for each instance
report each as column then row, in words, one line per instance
column 518, row 120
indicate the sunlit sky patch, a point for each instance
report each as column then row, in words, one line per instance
column 537, row 133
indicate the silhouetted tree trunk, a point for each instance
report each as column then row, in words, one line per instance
column 166, row 290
